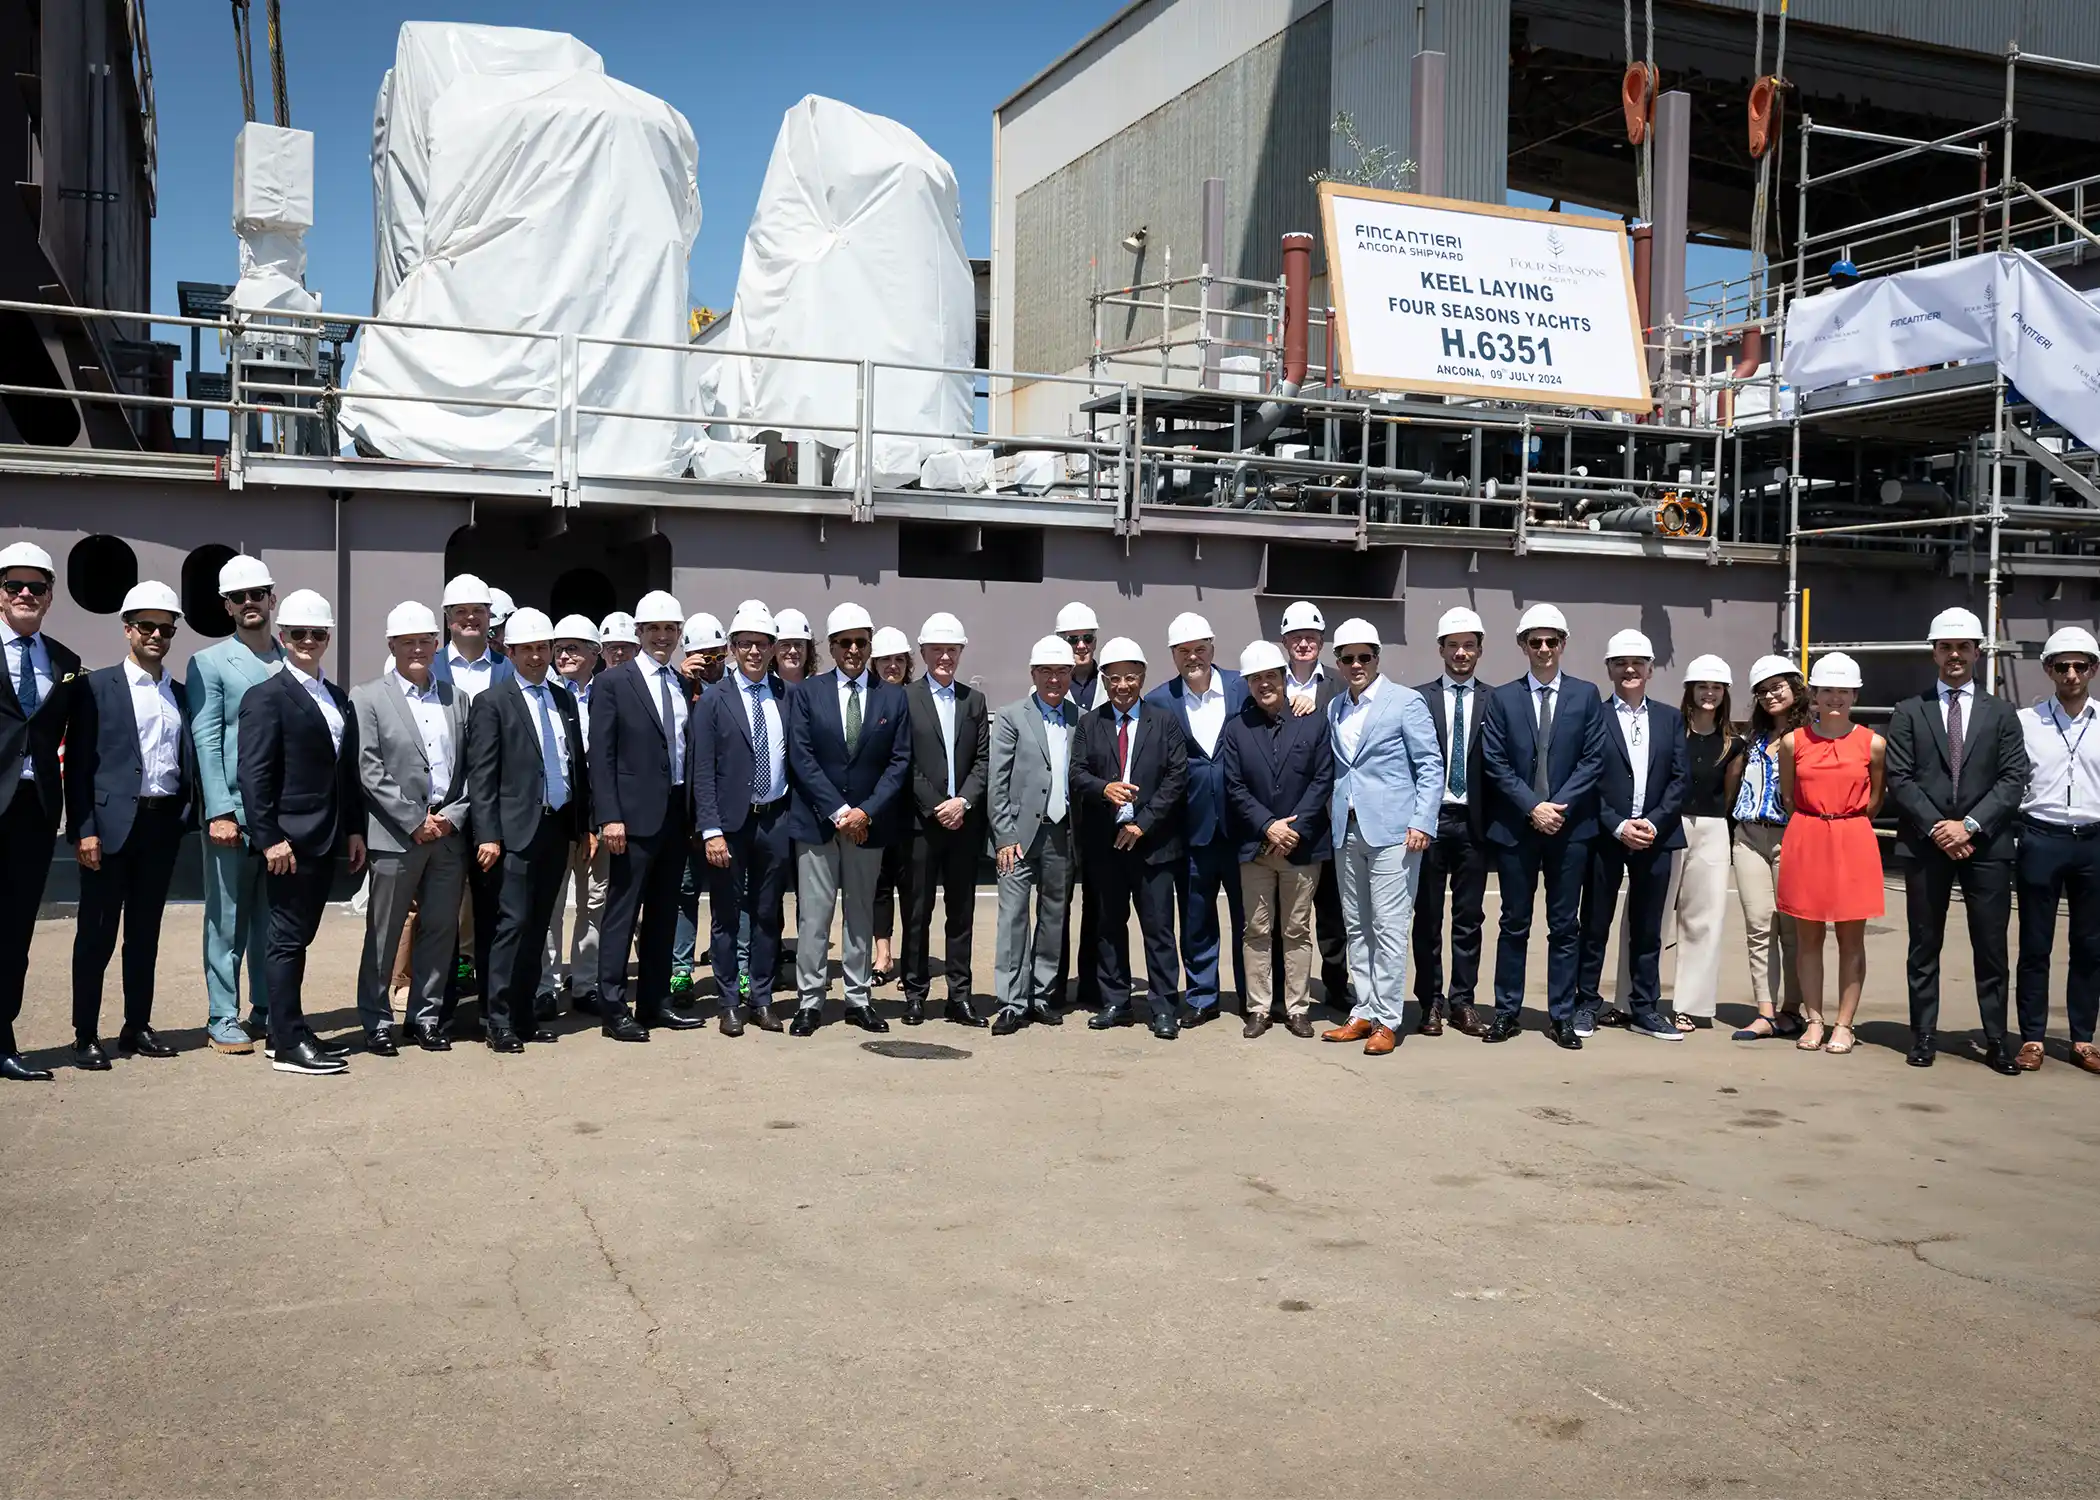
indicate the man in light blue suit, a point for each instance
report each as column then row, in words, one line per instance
column 1388, row 789
column 1205, row 697
column 235, row 913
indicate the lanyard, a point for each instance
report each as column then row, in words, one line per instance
column 2071, row 746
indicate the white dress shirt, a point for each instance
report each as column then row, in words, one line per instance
column 471, row 678
column 431, row 723
column 759, row 702
column 326, row 704
column 581, row 692
column 40, row 668
column 1968, row 708
column 159, row 724
column 1631, row 719
column 1206, row 712
column 1310, row 688
column 1451, row 708
column 2063, row 757
column 944, row 710
column 1058, row 735
column 865, row 682
column 551, row 684
column 655, row 676
column 1350, row 712
column 1128, row 810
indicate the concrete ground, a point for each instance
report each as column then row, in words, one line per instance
column 1057, row 1264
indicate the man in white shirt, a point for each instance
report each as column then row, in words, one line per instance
column 131, row 776
column 1309, row 687
column 2059, row 849
column 471, row 664
column 1458, row 857
column 1032, row 833
column 584, row 876
column 951, row 771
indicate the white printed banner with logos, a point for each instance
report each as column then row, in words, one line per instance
column 1441, row 296
column 2006, row 307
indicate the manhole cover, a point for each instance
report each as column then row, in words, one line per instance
column 918, row 1051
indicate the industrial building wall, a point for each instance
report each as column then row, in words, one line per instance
column 2054, row 28
column 1373, row 43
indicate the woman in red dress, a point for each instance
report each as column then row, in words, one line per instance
column 1830, row 772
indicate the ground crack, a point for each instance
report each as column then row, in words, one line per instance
column 377, row 1205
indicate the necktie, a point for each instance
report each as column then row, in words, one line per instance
column 1954, row 737
column 761, row 744
column 852, row 716
column 557, row 779
column 663, row 692
column 944, row 710
column 1455, row 773
column 1541, row 761
column 1122, row 746
column 25, row 684
column 1054, row 734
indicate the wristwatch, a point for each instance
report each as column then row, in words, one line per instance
column 1972, row 825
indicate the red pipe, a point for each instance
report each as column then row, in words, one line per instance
column 1297, row 301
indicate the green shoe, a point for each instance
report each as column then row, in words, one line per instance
column 462, row 969
column 681, row 982
column 743, row 985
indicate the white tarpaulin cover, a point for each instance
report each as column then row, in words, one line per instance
column 429, row 57
column 2007, row 307
column 856, row 252
column 273, row 207
column 558, row 203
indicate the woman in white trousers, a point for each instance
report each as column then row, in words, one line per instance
column 1699, row 889
column 1779, row 706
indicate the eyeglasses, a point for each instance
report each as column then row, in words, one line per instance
column 248, row 596
column 1541, row 642
column 152, row 627
column 35, row 588
column 1360, row 659
column 1079, row 638
column 303, row 634
column 2065, row 666
column 1772, row 690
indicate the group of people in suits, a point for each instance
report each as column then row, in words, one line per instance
column 504, row 760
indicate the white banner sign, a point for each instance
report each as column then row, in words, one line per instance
column 1437, row 295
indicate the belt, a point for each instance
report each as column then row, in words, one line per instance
column 1833, row 817
column 160, row 802
column 762, row 809
column 2060, row 830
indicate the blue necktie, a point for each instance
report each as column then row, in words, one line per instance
column 761, row 744
column 1455, row 778
column 671, row 742
column 25, row 685
column 550, row 753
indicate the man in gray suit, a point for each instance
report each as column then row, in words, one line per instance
column 1031, row 798
column 411, row 762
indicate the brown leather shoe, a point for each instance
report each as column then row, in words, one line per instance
column 1298, row 1025
column 1382, row 1041
column 1465, row 1018
column 1256, row 1025
column 1355, row 1030
column 2085, row 1055
column 1432, row 1023
column 2030, row 1057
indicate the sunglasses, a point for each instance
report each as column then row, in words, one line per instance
column 1080, row 638
column 35, row 588
column 1358, row 659
column 248, row 596
column 303, row 634
column 2063, row 667
column 1541, row 643
column 152, row 627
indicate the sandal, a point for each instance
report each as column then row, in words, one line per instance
column 1836, row 1047
column 1750, row 1033
column 1685, row 1023
column 1811, row 1038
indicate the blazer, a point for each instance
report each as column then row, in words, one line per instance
column 823, row 776
column 1020, row 770
column 929, row 755
column 1508, row 733
column 103, row 766
column 394, row 771
column 1669, row 777
column 1395, row 781
column 1278, row 768
column 720, row 759
column 1159, row 764
column 221, row 675
column 1477, row 789
column 37, row 735
column 296, row 787
column 1204, row 822
column 630, row 759
column 1994, row 770
column 506, row 771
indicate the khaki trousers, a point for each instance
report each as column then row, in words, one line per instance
column 1278, row 894
column 1773, row 982
column 1697, row 909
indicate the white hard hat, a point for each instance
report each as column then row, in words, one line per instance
column 1457, row 620
column 753, row 618
column 244, row 572
column 1542, row 617
column 306, row 608
column 151, row 594
column 1304, row 615
column 26, row 555
column 2071, row 640
column 411, row 618
column 942, row 629
column 618, row 627
column 1837, row 670
column 1955, row 624
column 465, row 588
column 1123, row 648
column 576, row 628
column 1357, row 632
column 1767, row 667
column 792, row 625
column 890, row 641
column 1186, row 629
column 501, row 608
column 528, row 627
column 656, row 607
column 1263, row 656
column 1076, row 616
column 1629, row 643
column 1709, row 669
column 846, row 617
column 1050, row 651
column 703, row 632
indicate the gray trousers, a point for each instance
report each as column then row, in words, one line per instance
column 1028, row 960
column 432, row 875
column 1378, row 904
column 590, row 879
column 823, row 873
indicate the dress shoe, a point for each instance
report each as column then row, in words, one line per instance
column 90, row 1057
column 761, row 1016
column 914, row 1010
column 1009, row 1021
column 337, row 1050
column 503, row 1039
column 585, row 1004
column 143, row 1041
column 1564, row 1035
column 1431, row 1024
column 865, row 1018
column 1922, row 1050
column 1165, row 1027
column 13, row 1068
column 1503, row 1029
column 806, row 1021
column 1199, row 1015
column 2083, row 1055
column 305, row 1057
column 538, row 1033
column 1382, row 1041
column 1108, row 1018
column 1998, row 1060
column 960, row 1013
column 428, row 1037
column 381, row 1043
column 1355, row 1029
column 1299, row 1025
column 1466, row 1019
column 621, row 1027
column 1256, row 1025
column 1047, row 1015
column 731, row 1024
column 2032, row 1055
column 672, row 1018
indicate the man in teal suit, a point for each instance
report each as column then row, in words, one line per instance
column 235, row 909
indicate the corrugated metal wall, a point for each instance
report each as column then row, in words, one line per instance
column 1261, row 123
column 1373, row 41
column 2054, row 28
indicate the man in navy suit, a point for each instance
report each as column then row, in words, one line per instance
column 849, row 785
column 131, row 777
column 737, row 749
column 1457, row 858
column 1542, row 749
column 1640, row 823
column 1205, row 697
